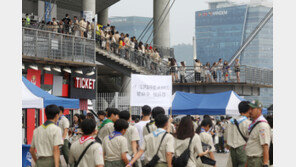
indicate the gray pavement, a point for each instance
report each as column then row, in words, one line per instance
column 221, row 159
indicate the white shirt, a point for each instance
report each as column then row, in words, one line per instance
column 139, row 127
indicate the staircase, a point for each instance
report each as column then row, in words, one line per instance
column 129, row 61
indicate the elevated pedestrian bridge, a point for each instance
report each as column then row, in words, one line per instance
column 251, row 80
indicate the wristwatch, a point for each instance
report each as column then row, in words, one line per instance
column 265, row 165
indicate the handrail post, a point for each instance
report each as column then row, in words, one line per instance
column 36, row 43
column 73, row 50
column 61, row 46
column 49, row 46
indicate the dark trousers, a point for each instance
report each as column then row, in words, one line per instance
column 197, row 76
column 221, row 144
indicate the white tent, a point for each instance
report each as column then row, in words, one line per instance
column 29, row 100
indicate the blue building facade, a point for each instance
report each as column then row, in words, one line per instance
column 220, row 32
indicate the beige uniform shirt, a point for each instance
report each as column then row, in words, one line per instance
column 131, row 134
column 92, row 157
column 151, row 144
column 234, row 138
column 195, row 126
column 106, row 130
column 258, row 137
column 195, row 148
column 153, row 127
column 114, row 148
column 207, row 139
column 63, row 124
column 44, row 138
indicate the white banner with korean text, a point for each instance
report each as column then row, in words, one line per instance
column 152, row 90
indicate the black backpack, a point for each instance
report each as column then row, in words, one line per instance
column 155, row 158
column 182, row 160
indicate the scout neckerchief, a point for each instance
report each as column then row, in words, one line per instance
column 114, row 134
column 158, row 131
column 105, row 122
column 203, row 130
column 240, row 120
column 259, row 119
column 46, row 124
column 85, row 138
column 60, row 119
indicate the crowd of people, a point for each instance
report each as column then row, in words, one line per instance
column 107, row 36
column 217, row 72
column 75, row 26
column 157, row 140
column 123, row 44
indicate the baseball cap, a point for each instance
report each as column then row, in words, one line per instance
column 256, row 104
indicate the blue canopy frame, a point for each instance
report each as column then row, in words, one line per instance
column 49, row 99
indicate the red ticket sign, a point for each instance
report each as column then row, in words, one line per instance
column 84, row 83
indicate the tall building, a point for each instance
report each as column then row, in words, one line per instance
column 221, row 31
column 132, row 25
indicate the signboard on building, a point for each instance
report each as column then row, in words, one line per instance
column 152, row 90
column 82, row 86
column 84, row 83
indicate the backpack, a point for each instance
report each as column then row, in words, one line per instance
column 155, row 158
column 182, row 160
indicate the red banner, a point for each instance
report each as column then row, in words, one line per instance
column 34, row 76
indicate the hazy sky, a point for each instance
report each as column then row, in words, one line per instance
column 181, row 16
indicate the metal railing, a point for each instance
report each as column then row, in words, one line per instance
column 148, row 61
column 248, row 74
column 48, row 44
column 117, row 100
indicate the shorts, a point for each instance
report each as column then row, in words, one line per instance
column 173, row 70
column 237, row 70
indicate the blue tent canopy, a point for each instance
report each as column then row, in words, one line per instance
column 49, row 99
column 225, row 103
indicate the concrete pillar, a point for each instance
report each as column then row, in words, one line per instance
column 161, row 30
column 103, row 17
column 89, row 9
column 40, row 10
column 54, row 10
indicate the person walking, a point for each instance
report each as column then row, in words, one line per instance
column 115, row 145
column 257, row 148
column 237, row 70
column 159, row 142
column 131, row 135
column 208, row 77
column 83, row 26
column 197, row 70
column 214, row 72
column 94, row 152
column 186, row 137
column 46, row 140
column 76, row 27
column 146, row 113
column 64, row 124
column 75, row 129
column 206, row 138
column 107, row 127
column 226, row 69
column 27, row 21
column 219, row 66
column 183, row 72
column 237, row 135
column 150, row 127
column 66, row 20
